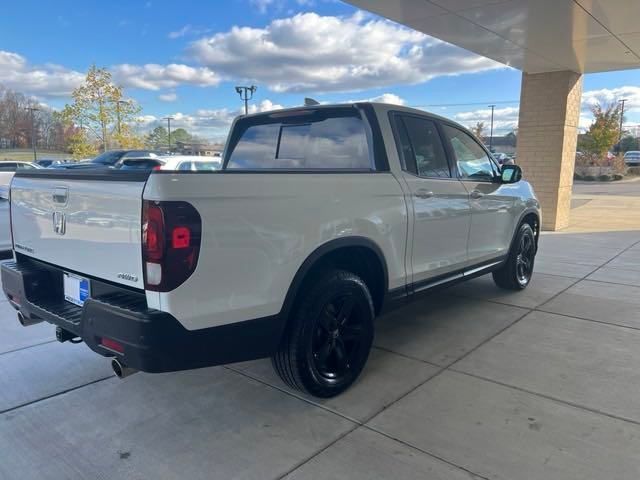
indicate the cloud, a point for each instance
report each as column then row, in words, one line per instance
column 504, row 119
column 262, row 5
column 154, row 77
column 612, row 95
column 50, row 80
column 47, row 80
column 207, row 123
column 308, row 52
column 188, row 30
column 168, row 97
column 384, row 98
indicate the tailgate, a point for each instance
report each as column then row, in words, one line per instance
column 88, row 222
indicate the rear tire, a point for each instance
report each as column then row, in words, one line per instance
column 328, row 337
column 517, row 271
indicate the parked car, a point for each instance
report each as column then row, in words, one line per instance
column 13, row 166
column 503, row 158
column 109, row 159
column 49, row 162
column 321, row 218
column 192, row 163
column 632, row 158
column 141, row 163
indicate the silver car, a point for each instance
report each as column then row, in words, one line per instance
column 632, row 158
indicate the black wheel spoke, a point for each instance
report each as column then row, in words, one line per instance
column 342, row 360
column 327, row 320
column 351, row 332
column 345, row 310
column 324, row 352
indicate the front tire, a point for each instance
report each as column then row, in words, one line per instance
column 517, row 271
column 329, row 336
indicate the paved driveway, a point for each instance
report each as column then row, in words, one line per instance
column 470, row 383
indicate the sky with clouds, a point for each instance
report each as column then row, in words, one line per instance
column 184, row 59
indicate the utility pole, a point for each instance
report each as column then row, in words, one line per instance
column 168, row 119
column 491, row 131
column 33, row 131
column 622, row 102
column 246, row 94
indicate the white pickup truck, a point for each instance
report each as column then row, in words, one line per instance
column 320, row 218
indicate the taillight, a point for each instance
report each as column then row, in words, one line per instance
column 153, row 231
column 170, row 243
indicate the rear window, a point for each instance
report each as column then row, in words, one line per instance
column 333, row 139
column 200, row 166
column 140, row 164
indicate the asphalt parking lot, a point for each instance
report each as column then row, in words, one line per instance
column 472, row 382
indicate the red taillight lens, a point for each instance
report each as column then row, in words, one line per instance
column 153, row 231
column 181, row 237
column 170, row 243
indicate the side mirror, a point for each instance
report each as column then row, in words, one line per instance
column 510, row 174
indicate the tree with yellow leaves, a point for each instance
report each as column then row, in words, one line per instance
column 99, row 109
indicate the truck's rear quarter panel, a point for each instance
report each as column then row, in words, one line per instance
column 258, row 228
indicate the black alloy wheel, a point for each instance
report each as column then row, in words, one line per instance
column 517, row 270
column 329, row 335
column 338, row 337
column 525, row 258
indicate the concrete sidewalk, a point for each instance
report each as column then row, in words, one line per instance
column 473, row 382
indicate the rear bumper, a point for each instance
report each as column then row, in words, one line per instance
column 153, row 341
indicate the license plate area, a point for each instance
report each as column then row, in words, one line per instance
column 76, row 289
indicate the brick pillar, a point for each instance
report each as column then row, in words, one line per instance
column 547, row 137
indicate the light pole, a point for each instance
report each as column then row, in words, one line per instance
column 33, row 131
column 621, row 102
column 491, row 130
column 168, row 119
column 246, row 94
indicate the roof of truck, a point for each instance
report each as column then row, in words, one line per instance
column 375, row 105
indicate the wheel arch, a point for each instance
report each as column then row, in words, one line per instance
column 530, row 216
column 343, row 252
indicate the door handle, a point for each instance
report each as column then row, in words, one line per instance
column 422, row 193
column 476, row 194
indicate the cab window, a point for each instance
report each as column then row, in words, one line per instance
column 422, row 148
column 333, row 139
column 471, row 159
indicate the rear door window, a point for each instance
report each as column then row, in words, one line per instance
column 333, row 139
column 422, row 147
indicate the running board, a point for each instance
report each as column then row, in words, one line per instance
column 429, row 284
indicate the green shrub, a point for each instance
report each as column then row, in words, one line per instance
column 605, row 178
column 589, row 178
column 618, row 176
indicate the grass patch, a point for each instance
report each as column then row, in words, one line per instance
column 26, row 155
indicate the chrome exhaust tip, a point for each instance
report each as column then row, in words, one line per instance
column 121, row 370
column 25, row 322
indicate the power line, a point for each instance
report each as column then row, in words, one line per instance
column 501, row 102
